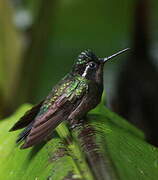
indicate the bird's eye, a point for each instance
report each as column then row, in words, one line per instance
column 92, row 65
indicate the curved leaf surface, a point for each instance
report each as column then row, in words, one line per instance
column 105, row 147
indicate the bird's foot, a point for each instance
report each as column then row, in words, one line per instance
column 76, row 123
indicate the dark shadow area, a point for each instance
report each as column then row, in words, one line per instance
column 137, row 92
column 35, row 150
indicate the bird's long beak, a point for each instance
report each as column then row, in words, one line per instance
column 114, row 55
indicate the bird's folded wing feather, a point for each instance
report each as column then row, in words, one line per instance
column 27, row 118
column 51, row 115
column 30, row 115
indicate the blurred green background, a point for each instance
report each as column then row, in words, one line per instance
column 39, row 41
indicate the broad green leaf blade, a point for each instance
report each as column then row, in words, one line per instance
column 116, row 119
column 51, row 160
column 132, row 158
column 105, row 147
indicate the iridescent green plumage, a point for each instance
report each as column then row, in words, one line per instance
column 72, row 88
column 71, row 99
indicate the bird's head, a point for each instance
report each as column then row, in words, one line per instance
column 88, row 65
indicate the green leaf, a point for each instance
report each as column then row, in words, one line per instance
column 105, row 147
column 40, row 162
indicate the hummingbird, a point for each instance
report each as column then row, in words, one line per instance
column 71, row 99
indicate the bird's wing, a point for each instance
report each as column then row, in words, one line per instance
column 55, row 110
column 27, row 118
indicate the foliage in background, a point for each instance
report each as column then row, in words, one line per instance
column 39, row 41
column 51, row 36
column 137, row 85
column 10, row 54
